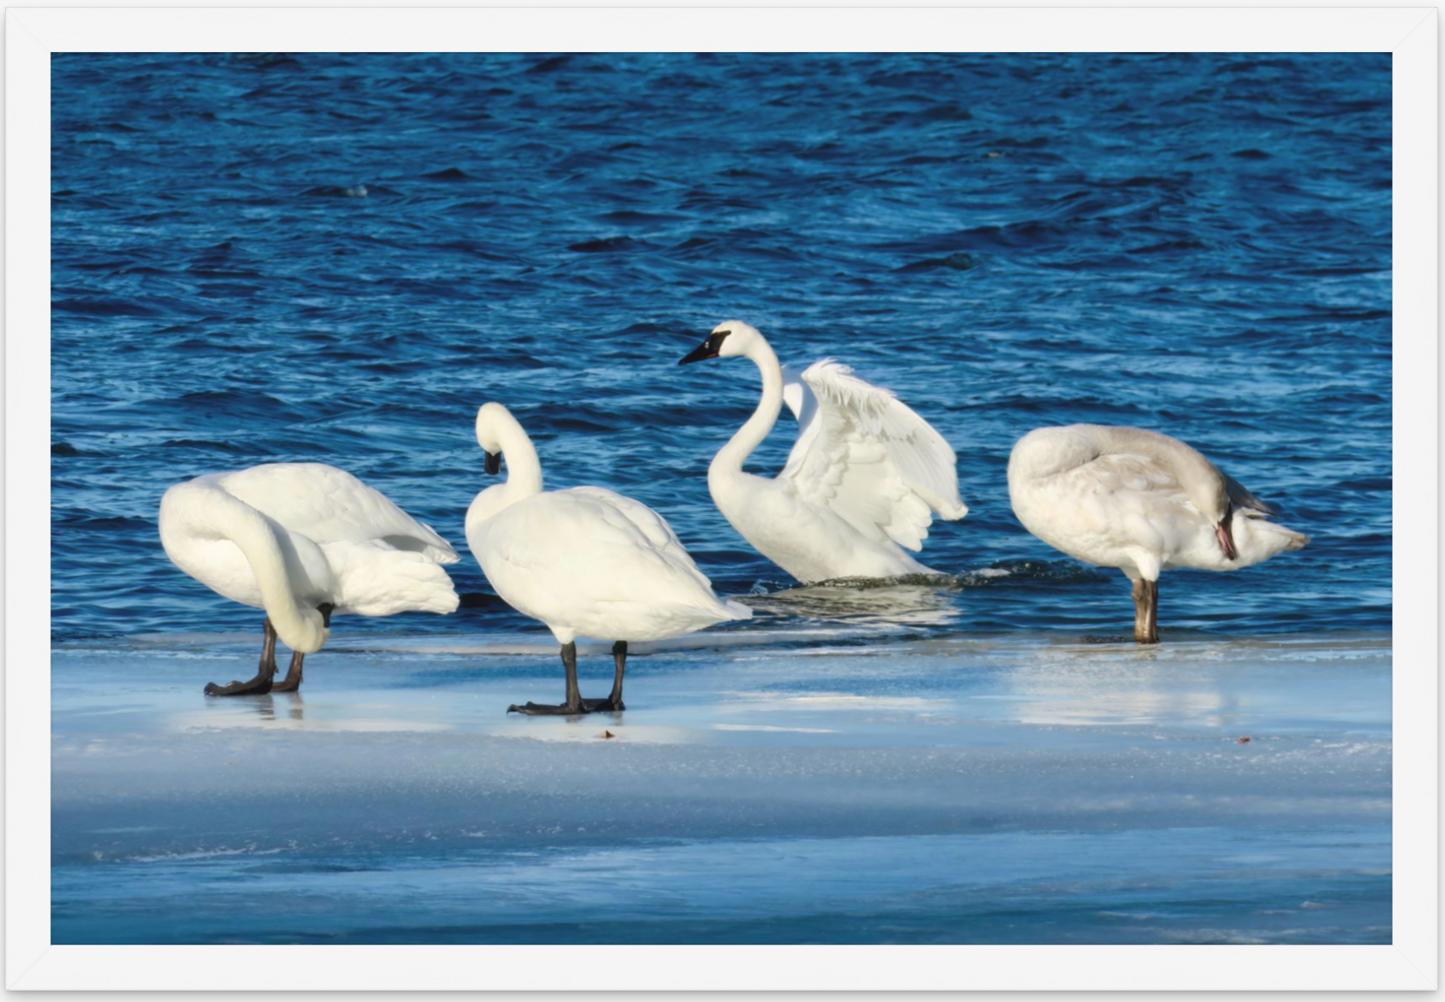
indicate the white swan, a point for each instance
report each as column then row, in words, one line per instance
column 585, row 561
column 1139, row 501
column 302, row 541
column 861, row 484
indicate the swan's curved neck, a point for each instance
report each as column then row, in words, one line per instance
column 524, row 469
column 524, row 474
column 269, row 551
column 730, row 458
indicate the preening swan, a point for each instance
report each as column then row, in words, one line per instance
column 861, row 485
column 584, row 561
column 303, row 541
column 1139, row 501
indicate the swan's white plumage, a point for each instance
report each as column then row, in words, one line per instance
column 288, row 537
column 584, row 561
column 866, row 455
column 1136, row 500
column 862, row 484
column 328, row 505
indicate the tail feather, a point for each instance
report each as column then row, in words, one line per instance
column 1292, row 540
column 1297, row 540
column 376, row 580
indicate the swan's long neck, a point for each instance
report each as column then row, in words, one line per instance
column 730, row 458
column 524, row 469
column 524, row 474
column 268, row 550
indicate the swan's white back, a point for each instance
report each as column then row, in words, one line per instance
column 328, row 505
column 287, row 537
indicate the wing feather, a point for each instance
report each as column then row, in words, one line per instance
column 651, row 525
column 1139, row 478
column 328, row 505
column 868, row 457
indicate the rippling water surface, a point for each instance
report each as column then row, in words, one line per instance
column 338, row 258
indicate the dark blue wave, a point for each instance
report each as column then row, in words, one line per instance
column 339, row 257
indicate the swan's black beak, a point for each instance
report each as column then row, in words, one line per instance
column 701, row 353
column 708, row 349
column 494, row 463
column 325, row 609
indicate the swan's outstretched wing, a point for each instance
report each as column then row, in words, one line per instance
column 328, row 505
column 868, row 457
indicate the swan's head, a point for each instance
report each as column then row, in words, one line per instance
column 493, row 421
column 729, row 338
column 303, row 629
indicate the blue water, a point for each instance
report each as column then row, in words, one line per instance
column 338, row 258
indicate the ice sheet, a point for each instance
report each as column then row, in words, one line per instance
column 758, row 788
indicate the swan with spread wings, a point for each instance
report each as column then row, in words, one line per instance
column 864, row 480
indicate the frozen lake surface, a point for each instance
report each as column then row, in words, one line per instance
column 785, row 786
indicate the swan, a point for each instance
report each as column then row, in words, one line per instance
column 861, row 485
column 1139, row 501
column 302, row 541
column 584, row 561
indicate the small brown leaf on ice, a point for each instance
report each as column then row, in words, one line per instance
column 608, row 734
column 1243, row 741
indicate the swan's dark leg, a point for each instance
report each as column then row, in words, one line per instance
column 569, row 665
column 1146, row 611
column 619, row 657
column 264, row 674
column 574, row 705
column 1154, row 611
column 292, row 681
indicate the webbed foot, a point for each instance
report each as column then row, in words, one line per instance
column 548, row 710
column 265, row 673
column 562, row 710
column 258, row 686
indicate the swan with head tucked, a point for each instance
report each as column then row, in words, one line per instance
column 303, row 541
column 1139, row 501
column 584, row 561
column 861, row 485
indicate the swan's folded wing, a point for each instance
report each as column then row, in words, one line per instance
column 328, row 505
column 652, row 526
column 871, row 459
column 1123, row 474
column 590, row 545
